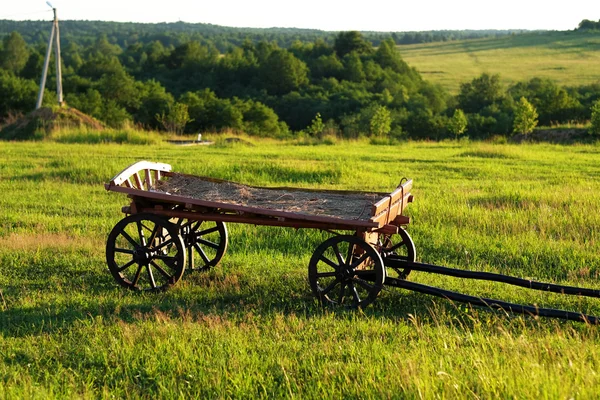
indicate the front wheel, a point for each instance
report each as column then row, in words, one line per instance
column 346, row 271
column 145, row 253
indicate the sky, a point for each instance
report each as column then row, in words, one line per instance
column 329, row 15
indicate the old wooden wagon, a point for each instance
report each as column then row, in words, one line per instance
column 177, row 221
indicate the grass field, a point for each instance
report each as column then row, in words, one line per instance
column 250, row 327
column 569, row 58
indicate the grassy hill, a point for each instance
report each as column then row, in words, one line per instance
column 569, row 58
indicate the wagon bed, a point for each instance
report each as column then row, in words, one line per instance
column 155, row 188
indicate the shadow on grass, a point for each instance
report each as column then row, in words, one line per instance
column 201, row 302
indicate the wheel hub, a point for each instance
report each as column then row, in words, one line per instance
column 141, row 255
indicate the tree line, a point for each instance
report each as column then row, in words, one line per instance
column 347, row 87
column 174, row 34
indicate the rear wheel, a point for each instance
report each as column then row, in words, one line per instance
column 205, row 242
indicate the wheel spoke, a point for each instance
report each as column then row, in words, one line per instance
column 169, row 260
column 355, row 295
column 394, row 247
column 326, row 274
column 362, row 258
column 208, row 243
column 162, row 271
column 338, row 254
column 166, row 243
column 129, row 239
column 141, row 233
column 137, row 276
column 153, row 234
column 124, row 251
column 207, row 231
column 329, row 287
column 341, row 296
column 364, row 284
column 329, row 262
column 350, row 253
column 124, row 267
column 202, row 253
column 364, row 272
column 151, row 276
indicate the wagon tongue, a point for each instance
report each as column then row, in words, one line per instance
column 393, row 261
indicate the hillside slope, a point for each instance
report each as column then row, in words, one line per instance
column 569, row 58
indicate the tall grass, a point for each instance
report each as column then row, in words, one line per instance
column 250, row 327
column 93, row 136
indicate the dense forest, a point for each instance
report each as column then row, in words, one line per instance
column 274, row 82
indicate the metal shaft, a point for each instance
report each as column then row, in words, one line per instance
column 396, row 262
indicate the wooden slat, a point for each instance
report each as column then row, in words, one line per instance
column 138, row 181
column 148, row 180
column 128, row 183
column 385, row 203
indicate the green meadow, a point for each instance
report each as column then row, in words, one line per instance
column 251, row 328
column 568, row 58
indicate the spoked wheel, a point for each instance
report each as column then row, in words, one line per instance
column 205, row 241
column 346, row 271
column 400, row 245
column 144, row 252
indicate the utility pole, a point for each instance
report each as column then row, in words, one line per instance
column 54, row 37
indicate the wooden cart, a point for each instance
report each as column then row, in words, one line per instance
column 177, row 221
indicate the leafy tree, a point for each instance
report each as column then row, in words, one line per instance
column 327, row 66
column 595, row 120
column 381, row 122
column 457, row 125
column 353, row 41
column 16, row 94
column 354, row 70
column 175, row 119
column 153, row 99
column 526, row 117
column 14, row 54
column 259, row 119
column 554, row 103
column 114, row 115
column 481, row 92
column 89, row 102
column 283, row 72
column 388, row 56
column 316, row 126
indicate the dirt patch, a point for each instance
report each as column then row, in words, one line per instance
column 344, row 205
column 42, row 122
